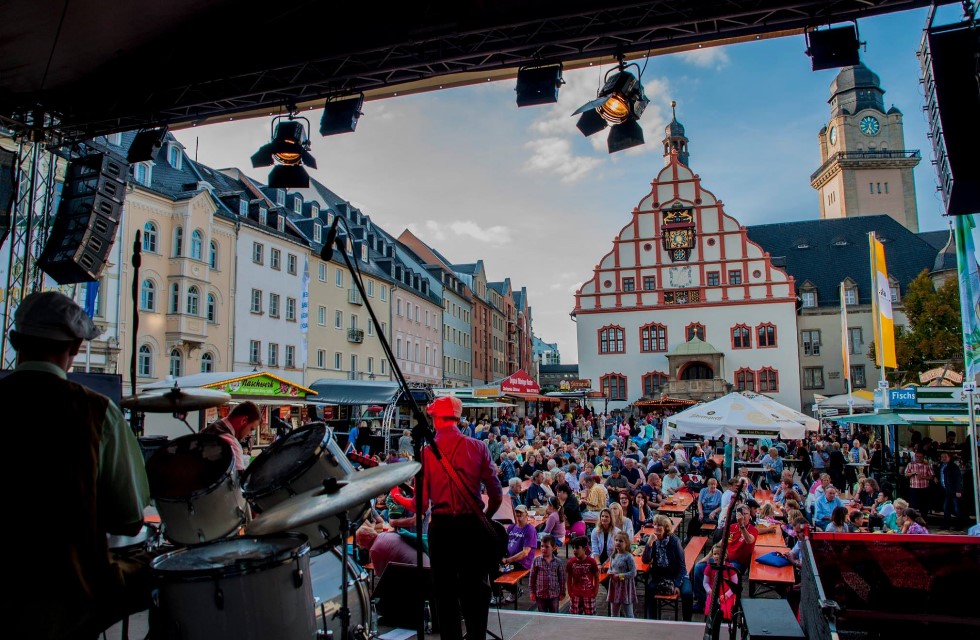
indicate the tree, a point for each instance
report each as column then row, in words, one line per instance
column 934, row 332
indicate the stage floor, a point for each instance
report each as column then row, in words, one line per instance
column 528, row 625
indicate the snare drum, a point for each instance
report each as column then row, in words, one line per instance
column 298, row 462
column 124, row 546
column 242, row 588
column 195, row 486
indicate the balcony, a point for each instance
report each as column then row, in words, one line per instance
column 354, row 297
column 911, row 156
column 355, row 335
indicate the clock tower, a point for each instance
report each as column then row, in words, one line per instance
column 865, row 168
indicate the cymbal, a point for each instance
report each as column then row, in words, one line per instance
column 317, row 504
column 175, row 400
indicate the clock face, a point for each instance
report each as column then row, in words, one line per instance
column 679, row 238
column 870, row 126
column 833, row 135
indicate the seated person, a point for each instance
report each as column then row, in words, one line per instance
column 672, row 482
column 823, row 507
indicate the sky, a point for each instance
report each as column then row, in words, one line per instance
column 478, row 178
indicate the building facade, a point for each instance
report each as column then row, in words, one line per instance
column 685, row 303
column 474, row 275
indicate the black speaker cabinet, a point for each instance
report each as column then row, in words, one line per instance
column 769, row 619
column 402, row 593
column 85, row 226
column 832, row 48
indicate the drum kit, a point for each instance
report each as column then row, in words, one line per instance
column 261, row 554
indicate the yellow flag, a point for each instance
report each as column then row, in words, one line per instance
column 881, row 301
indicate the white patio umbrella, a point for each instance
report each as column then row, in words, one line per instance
column 811, row 424
column 735, row 416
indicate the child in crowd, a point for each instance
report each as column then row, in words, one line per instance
column 622, row 578
column 582, row 573
column 729, row 580
column 547, row 580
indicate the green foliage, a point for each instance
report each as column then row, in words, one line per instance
column 934, row 332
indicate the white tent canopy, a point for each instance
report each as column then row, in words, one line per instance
column 840, row 402
column 735, row 416
column 811, row 424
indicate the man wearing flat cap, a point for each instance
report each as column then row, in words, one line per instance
column 460, row 573
column 79, row 473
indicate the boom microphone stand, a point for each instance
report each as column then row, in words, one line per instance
column 422, row 432
column 712, row 627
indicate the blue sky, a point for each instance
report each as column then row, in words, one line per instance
column 522, row 189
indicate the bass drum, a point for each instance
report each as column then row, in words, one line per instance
column 325, row 573
column 298, row 462
column 244, row 588
column 194, row 484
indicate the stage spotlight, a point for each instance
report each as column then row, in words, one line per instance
column 538, row 85
column 620, row 102
column 289, row 151
column 146, row 144
column 340, row 116
column 832, row 48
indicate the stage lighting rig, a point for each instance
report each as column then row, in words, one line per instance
column 620, row 103
column 289, row 151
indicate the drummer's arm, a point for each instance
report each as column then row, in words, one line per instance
column 123, row 490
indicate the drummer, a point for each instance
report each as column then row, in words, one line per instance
column 235, row 427
column 80, row 477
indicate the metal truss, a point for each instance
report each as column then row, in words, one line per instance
column 419, row 52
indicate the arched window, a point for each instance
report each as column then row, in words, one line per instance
column 741, row 337
column 766, row 333
column 144, row 361
column 207, row 362
column 176, row 363
column 768, row 380
column 197, row 245
column 150, row 237
column 148, row 296
column 175, row 298
column 213, row 255
column 193, row 301
column 178, row 242
column 653, row 337
column 654, row 383
column 745, row 380
column 613, row 386
column 212, row 308
column 697, row 371
column 695, row 329
column 611, row 340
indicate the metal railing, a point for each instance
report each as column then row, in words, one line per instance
column 817, row 613
column 878, row 154
column 355, row 335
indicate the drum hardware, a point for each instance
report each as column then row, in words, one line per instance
column 176, row 401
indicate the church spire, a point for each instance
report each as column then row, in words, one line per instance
column 674, row 138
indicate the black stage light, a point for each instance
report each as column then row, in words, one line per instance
column 621, row 101
column 625, row 135
column 340, row 116
column 289, row 151
column 146, row 144
column 832, row 48
column 538, row 85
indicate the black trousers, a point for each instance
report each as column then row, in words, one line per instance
column 460, row 572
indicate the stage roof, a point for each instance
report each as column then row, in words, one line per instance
column 99, row 66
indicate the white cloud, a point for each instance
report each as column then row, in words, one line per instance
column 496, row 235
column 555, row 156
column 711, row 57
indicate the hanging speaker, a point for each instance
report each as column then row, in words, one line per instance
column 8, row 182
column 832, row 48
column 85, row 226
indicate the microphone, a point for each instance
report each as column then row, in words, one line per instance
column 327, row 251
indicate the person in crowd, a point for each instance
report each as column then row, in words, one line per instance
column 632, row 473
column 571, row 477
column 819, row 458
column 621, row 591
column 386, row 547
column 672, row 483
column 239, row 424
column 514, row 492
column 508, row 467
column 743, row 473
column 96, row 484
column 895, row 520
column 951, row 481
column 354, row 435
column 548, row 482
column 596, row 496
column 554, row 524
column 877, row 460
column 817, row 489
column 603, row 537
column 574, row 524
column 736, row 486
column 823, row 507
column 914, row 522
column 641, row 514
column 868, row 491
column 665, row 556
column 604, row 467
column 527, row 469
column 536, row 496
column 626, row 502
column 742, row 536
column 729, row 584
column 405, row 446
column 582, row 573
column 620, row 520
column 920, row 475
column 708, row 507
column 711, row 470
column 653, row 489
column 462, row 588
column 681, row 460
column 838, row 521
column 522, row 540
column 857, row 522
column 616, row 483
column 547, row 579
column 772, row 467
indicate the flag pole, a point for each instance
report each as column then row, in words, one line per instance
column 875, row 308
column 973, row 453
column 846, row 350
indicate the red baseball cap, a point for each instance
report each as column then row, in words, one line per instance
column 445, row 407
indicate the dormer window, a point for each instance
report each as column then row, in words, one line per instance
column 314, row 210
column 243, row 207
column 280, row 223
column 174, row 156
column 317, row 232
column 142, row 173
column 298, row 204
column 364, row 253
column 281, row 197
column 350, row 248
column 263, row 216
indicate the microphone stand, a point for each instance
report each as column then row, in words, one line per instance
column 134, row 415
column 712, row 629
column 422, row 432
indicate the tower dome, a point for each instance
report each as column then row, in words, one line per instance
column 854, row 89
column 675, row 138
